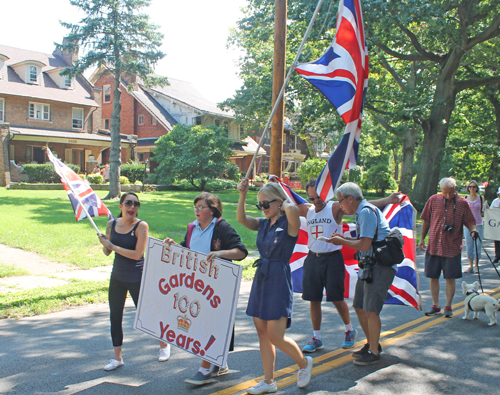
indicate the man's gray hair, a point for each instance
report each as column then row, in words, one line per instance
column 349, row 189
column 448, row 182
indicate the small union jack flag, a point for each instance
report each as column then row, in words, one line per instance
column 76, row 187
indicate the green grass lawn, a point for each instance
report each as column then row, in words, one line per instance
column 43, row 222
column 10, row 271
column 48, row 300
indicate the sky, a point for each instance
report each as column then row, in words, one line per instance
column 195, row 36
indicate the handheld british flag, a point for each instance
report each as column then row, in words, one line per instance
column 341, row 74
column 85, row 202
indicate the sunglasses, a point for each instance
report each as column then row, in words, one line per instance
column 472, row 186
column 130, row 203
column 265, row 204
column 313, row 198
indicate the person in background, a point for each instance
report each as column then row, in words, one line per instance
column 444, row 216
column 210, row 234
column 271, row 297
column 126, row 236
column 496, row 204
column 477, row 205
column 105, row 173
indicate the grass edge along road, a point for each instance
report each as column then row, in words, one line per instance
column 390, row 337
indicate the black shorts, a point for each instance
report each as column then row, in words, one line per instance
column 451, row 267
column 323, row 272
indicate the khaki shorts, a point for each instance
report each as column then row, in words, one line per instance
column 371, row 297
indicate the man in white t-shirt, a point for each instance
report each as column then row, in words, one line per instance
column 324, row 265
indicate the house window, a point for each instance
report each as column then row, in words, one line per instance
column 106, row 124
column 140, row 156
column 67, row 81
column 153, row 120
column 140, row 120
column 2, row 110
column 106, row 93
column 217, row 122
column 78, row 118
column 39, row 111
column 293, row 142
column 33, row 76
column 198, row 120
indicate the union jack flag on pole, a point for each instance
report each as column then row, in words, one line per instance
column 341, row 74
column 85, row 202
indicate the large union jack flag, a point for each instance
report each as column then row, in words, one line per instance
column 76, row 187
column 341, row 74
column 404, row 288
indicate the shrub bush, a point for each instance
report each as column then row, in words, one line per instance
column 95, row 178
column 379, row 178
column 124, row 180
column 45, row 173
column 133, row 170
column 311, row 168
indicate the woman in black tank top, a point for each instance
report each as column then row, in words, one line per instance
column 127, row 237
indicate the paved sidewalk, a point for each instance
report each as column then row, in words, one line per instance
column 43, row 273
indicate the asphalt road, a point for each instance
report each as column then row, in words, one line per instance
column 64, row 353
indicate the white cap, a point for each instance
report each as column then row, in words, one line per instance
column 498, row 192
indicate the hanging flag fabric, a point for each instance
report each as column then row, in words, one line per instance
column 341, row 74
column 300, row 250
column 75, row 186
column 294, row 196
column 404, row 288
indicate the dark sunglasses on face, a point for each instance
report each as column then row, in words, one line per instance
column 130, row 203
column 472, row 186
column 313, row 198
column 265, row 204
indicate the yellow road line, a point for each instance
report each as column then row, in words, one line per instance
column 396, row 333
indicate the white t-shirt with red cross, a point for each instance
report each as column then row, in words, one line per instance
column 322, row 224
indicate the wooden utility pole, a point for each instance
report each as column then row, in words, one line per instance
column 279, row 70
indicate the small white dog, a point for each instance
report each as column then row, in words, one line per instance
column 476, row 303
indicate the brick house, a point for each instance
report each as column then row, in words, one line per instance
column 149, row 113
column 40, row 108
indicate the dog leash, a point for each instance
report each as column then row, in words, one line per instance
column 477, row 257
column 482, row 244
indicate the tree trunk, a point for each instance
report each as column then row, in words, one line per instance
column 436, row 130
column 494, row 171
column 310, row 147
column 116, row 149
column 408, row 157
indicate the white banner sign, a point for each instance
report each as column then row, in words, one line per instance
column 492, row 224
column 187, row 301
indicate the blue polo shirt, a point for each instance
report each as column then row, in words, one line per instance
column 202, row 239
column 366, row 224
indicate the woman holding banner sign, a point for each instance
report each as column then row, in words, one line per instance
column 126, row 236
column 271, row 297
column 212, row 235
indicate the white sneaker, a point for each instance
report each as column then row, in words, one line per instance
column 164, row 354
column 304, row 375
column 263, row 388
column 113, row 364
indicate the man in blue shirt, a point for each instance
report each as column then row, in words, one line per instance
column 369, row 297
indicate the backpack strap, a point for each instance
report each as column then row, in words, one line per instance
column 189, row 233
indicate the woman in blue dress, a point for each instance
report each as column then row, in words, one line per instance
column 271, row 297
